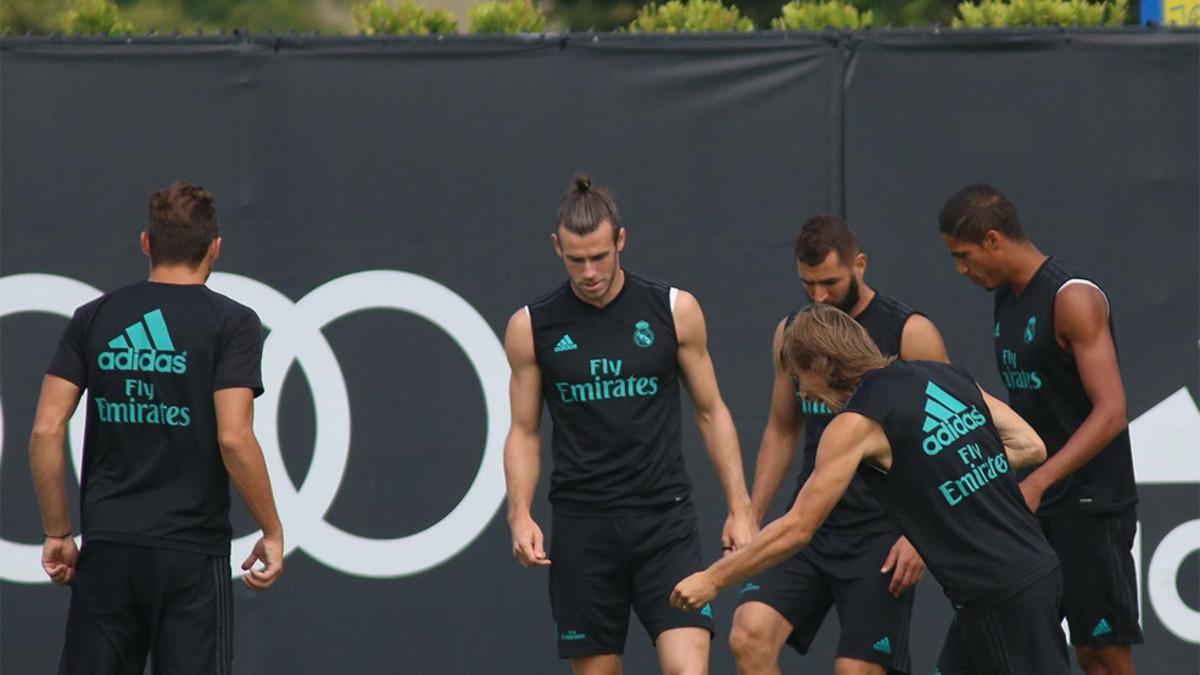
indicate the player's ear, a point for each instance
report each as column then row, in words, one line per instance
column 860, row 263
column 992, row 240
column 145, row 242
column 557, row 244
column 620, row 239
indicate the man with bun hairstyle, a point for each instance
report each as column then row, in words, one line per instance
column 171, row 370
column 940, row 455
column 606, row 352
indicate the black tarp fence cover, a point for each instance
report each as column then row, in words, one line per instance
column 389, row 200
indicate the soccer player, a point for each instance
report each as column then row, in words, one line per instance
column 938, row 454
column 171, row 370
column 857, row 560
column 1055, row 350
column 606, row 352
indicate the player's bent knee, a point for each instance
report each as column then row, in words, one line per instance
column 758, row 633
column 1111, row 660
column 687, row 670
column 844, row 666
column 693, row 667
column 1091, row 667
column 684, row 651
column 1085, row 656
column 747, row 642
column 601, row 664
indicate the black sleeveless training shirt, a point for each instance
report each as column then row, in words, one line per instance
column 858, row 512
column 610, row 380
column 950, row 488
column 1044, row 388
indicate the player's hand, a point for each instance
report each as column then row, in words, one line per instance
column 527, row 543
column 59, row 556
column 740, row 528
column 1032, row 494
column 908, row 565
column 268, row 551
column 694, row 592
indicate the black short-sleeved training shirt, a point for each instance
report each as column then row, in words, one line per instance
column 150, row 356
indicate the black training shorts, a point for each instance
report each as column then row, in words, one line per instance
column 1099, row 583
column 1019, row 635
column 842, row 572
column 602, row 566
column 130, row 601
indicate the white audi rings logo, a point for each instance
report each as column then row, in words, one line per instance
column 296, row 337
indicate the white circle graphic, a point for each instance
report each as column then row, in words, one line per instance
column 1175, row 614
column 60, row 296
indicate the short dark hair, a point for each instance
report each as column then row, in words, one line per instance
column 585, row 206
column 975, row 209
column 824, row 233
column 182, row 224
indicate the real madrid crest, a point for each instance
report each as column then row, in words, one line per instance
column 642, row 335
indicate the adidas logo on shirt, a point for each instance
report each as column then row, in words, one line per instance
column 947, row 418
column 1101, row 628
column 884, row 645
column 144, row 346
column 566, row 344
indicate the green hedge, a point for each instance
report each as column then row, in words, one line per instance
column 693, row 16
column 405, row 17
column 799, row 15
column 95, row 17
column 1017, row 13
column 514, row 16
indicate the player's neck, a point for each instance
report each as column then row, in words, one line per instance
column 178, row 274
column 1026, row 261
column 865, row 295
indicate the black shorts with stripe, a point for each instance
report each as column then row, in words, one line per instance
column 1099, row 580
column 1018, row 635
column 131, row 602
column 841, row 571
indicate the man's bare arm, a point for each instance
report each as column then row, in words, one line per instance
column 47, row 451
column 244, row 461
column 523, row 445
column 1021, row 443
column 921, row 341
column 847, row 441
column 1081, row 323
column 779, row 439
column 713, row 418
